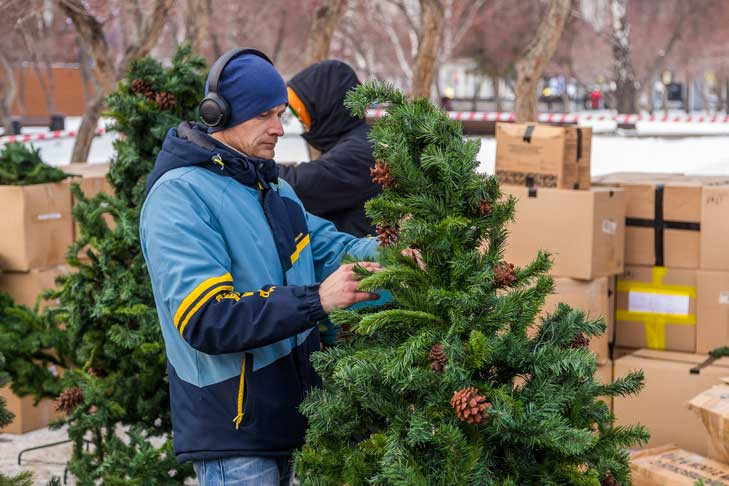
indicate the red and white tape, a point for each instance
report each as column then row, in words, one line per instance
column 575, row 117
column 38, row 137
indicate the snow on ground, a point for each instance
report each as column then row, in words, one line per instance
column 697, row 148
column 610, row 153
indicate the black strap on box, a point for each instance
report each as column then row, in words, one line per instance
column 579, row 144
column 660, row 225
column 528, row 134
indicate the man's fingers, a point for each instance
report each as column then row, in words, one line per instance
column 364, row 296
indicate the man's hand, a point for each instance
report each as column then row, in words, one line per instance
column 339, row 290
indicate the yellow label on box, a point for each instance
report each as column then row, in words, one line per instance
column 657, row 304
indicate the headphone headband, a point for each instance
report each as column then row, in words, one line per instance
column 223, row 60
column 214, row 109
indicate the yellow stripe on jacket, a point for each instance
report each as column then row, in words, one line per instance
column 198, row 291
column 300, row 247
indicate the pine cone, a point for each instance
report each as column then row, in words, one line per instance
column 504, row 275
column 381, row 174
column 469, row 405
column 69, row 399
column 485, row 208
column 580, row 341
column 387, row 233
column 609, row 480
column 437, row 358
column 165, row 101
column 98, row 373
column 142, row 87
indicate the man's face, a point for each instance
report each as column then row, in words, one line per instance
column 258, row 136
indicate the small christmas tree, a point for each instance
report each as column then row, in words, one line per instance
column 22, row 165
column 444, row 385
column 105, row 332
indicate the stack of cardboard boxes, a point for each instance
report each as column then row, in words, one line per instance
column 37, row 229
column 656, row 243
column 547, row 168
column 672, row 301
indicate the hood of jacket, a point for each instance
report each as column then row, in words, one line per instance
column 189, row 144
column 322, row 88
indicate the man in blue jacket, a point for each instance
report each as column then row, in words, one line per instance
column 241, row 275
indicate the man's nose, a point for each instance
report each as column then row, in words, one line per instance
column 277, row 127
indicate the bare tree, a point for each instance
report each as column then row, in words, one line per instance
column 625, row 82
column 431, row 25
column 536, row 56
column 196, row 24
column 8, row 91
column 107, row 70
column 325, row 21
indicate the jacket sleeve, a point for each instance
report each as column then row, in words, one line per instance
column 339, row 180
column 189, row 267
column 329, row 246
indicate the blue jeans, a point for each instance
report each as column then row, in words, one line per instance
column 245, row 471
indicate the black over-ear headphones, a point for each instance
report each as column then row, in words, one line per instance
column 214, row 110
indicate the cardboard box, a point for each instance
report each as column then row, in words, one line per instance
column 656, row 308
column 595, row 297
column 583, row 230
column 662, row 406
column 714, row 227
column 671, row 466
column 543, row 155
column 712, row 406
column 671, row 221
column 24, row 287
column 27, row 415
column 712, row 330
column 36, row 225
column 90, row 177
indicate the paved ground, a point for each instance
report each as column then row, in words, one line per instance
column 43, row 463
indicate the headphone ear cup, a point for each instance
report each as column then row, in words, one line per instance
column 214, row 110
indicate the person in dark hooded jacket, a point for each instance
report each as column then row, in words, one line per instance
column 337, row 184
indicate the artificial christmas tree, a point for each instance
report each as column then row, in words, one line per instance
column 105, row 332
column 511, row 407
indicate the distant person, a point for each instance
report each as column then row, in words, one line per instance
column 337, row 184
column 595, row 99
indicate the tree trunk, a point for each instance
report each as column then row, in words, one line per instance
column 431, row 24
column 496, row 83
column 325, row 22
column 106, row 71
column 476, row 93
column 196, row 24
column 280, row 35
column 87, row 130
column 530, row 66
column 689, row 94
column 625, row 92
column 8, row 90
column 217, row 49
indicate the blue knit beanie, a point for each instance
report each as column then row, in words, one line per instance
column 250, row 85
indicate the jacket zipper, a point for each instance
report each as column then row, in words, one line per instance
column 241, row 390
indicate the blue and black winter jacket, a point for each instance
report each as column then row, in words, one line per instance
column 238, row 329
